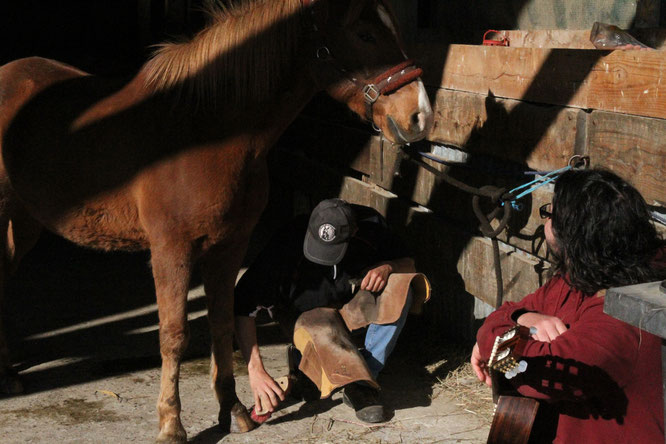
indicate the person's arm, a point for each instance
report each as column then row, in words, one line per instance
column 498, row 322
column 548, row 328
column 596, row 355
column 375, row 279
column 267, row 393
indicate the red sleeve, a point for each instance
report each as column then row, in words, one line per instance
column 501, row 320
column 596, row 355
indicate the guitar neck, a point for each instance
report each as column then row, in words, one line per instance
column 514, row 415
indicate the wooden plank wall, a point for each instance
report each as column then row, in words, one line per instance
column 498, row 111
column 618, row 81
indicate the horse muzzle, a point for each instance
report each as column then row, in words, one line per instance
column 418, row 128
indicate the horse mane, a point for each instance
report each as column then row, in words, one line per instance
column 239, row 56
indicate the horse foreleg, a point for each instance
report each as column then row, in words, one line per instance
column 171, row 271
column 22, row 234
column 9, row 381
column 219, row 270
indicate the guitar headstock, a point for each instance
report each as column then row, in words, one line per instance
column 507, row 351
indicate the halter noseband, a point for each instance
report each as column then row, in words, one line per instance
column 385, row 83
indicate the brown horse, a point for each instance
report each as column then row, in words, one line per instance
column 174, row 160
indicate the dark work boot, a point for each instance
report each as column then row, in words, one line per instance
column 366, row 401
column 303, row 388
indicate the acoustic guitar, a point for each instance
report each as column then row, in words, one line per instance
column 514, row 415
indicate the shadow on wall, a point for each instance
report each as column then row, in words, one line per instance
column 62, row 286
column 450, row 312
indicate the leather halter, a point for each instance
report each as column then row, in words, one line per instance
column 385, row 83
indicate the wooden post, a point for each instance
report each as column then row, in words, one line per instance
column 643, row 306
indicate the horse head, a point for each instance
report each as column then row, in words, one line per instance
column 358, row 59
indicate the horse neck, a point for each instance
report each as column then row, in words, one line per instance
column 273, row 118
column 243, row 58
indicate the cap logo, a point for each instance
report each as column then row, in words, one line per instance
column 326, row 232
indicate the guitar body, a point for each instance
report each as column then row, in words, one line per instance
column 513, row 420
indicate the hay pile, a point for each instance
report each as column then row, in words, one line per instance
column 456, row 379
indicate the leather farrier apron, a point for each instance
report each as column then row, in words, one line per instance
column 329, row 358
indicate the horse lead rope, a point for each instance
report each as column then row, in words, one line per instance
column 499, row 196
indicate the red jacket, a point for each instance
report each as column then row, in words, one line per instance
column 603, row 376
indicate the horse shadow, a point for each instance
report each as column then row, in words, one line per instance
column 75, row 315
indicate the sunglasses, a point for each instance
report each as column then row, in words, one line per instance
column 546, row 211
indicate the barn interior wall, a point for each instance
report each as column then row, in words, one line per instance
column 488, row 132
column 489, row 138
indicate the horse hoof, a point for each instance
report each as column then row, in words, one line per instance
column 241, row 422
column 10, row 384
column 172, row 433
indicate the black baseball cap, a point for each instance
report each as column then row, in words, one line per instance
column 332, row 223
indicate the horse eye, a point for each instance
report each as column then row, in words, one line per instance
column 367, row 37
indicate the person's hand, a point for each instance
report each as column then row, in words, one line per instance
column 479, row 366
column 267, row 392
column 375, row 279
column 548, row 327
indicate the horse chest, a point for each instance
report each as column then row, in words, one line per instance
column 237, row 201
column 213, row 192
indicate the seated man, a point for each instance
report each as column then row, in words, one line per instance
column 601, row 377
column 319, row 279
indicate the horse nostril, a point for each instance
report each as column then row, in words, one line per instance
column 416, row 121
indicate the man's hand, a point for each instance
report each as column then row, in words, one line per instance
column 480, row 367
column 375, row 279
column 267, row 392
column 548, row 327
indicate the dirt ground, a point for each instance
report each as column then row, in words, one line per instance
column 86, row 346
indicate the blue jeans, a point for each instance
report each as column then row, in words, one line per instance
column 380, row 340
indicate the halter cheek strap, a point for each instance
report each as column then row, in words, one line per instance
column 388, row 81
column 385, row 83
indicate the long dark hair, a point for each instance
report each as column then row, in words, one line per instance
column 604, row 233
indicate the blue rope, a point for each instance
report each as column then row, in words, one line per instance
column 540, row 181
column 545, row 177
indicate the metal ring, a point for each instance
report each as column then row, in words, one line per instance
column 578, row 161
column 323, row 53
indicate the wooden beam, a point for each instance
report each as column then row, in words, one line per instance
column 543, row 138
column 619, row 81
column 522, row 274
column 634, row 148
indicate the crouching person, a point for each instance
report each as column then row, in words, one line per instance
column 600, row 377
column 340, row 271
